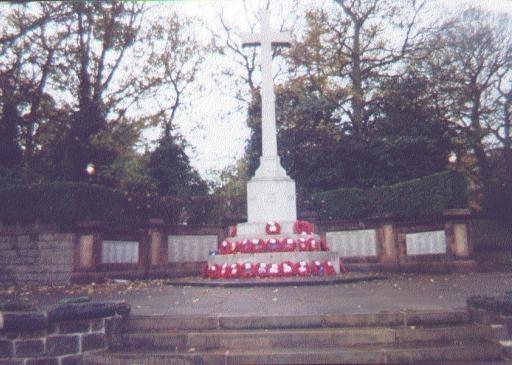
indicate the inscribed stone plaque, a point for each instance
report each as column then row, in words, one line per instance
column 353, row 243
column 120, row 252
column 426, row 243
column 190, row 248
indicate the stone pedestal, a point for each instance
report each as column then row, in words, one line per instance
column 457, row 235
column 86, row 252
column 271, row 195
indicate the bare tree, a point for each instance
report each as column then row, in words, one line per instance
column 465, row 59
column 349, row 45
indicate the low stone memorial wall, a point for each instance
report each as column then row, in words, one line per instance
column 43, row 255
column 60, row 336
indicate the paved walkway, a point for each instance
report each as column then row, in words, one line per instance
column 411, row 291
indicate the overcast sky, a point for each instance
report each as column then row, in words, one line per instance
column 219, row 140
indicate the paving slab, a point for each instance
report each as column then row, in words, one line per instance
column 397, row 292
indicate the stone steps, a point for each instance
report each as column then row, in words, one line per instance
column 396, row 354
column 390, row 337
column 181, row 341
column 136, row 324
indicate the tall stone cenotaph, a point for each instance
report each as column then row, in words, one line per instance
column 271, row 192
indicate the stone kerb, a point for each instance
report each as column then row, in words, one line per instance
column 60, row 336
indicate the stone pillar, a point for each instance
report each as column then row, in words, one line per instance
column 155, row 247
column 457, row 232
column 88, row 246
column 157, row 250
column 388, row 246
column 86, row 252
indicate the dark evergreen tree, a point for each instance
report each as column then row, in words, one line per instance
column 170, row 168
column 10, row 122
column 80, row 150
column 411, row 138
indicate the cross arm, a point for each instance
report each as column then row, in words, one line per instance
column 250, row 39
column 283, row 39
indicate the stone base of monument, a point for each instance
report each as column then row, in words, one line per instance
column 252, row 254
column 255, row 229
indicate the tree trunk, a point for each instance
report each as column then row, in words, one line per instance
column 357, row 85
column 476, row 139
column 507, row 152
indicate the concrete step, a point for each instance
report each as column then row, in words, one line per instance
column 405, row 353
column 277, row 282
column 146, row 324
column 182, row 341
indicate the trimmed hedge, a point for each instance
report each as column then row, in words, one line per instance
column 424, row 197
column 66, row 204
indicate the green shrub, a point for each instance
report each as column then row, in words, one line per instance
column 66, row 204
column 424, row 197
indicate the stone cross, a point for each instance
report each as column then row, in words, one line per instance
column 266, row 38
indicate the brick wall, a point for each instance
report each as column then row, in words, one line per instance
column 34, row 338
column 36, row 258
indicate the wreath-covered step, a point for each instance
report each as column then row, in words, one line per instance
column 288, row 244
column 274, row 244
column 273, row 228
column 287, row 268
column 227, row 247
column 249, row 270
column 303, row 227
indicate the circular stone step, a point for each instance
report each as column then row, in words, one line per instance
column 277, row 258
column 255, row 230
column 283, row 281
column 266, row 237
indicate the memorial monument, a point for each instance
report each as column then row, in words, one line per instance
column 270, row 193
column 272, row 235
